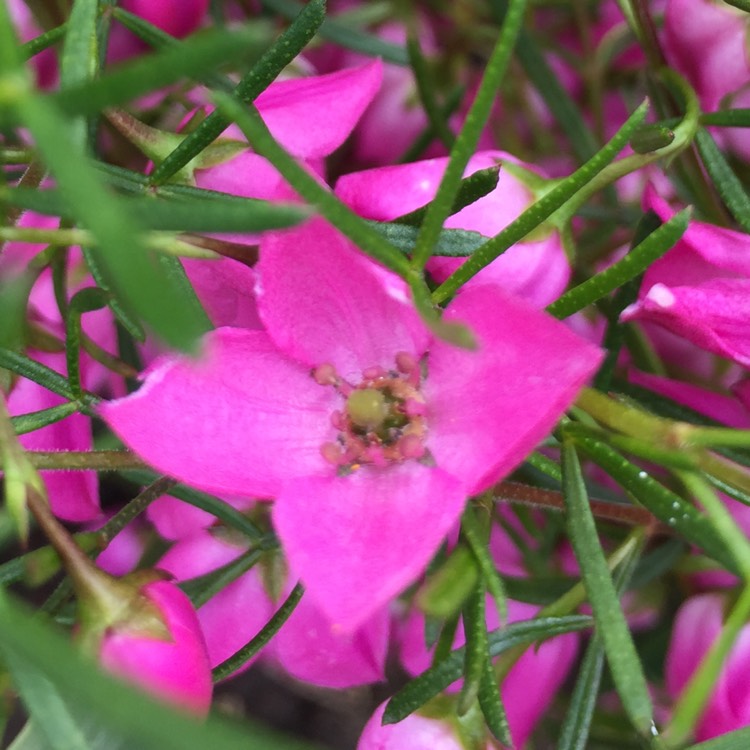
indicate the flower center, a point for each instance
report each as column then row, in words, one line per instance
column 383, row 420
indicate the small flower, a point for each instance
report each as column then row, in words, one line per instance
column 369, row 434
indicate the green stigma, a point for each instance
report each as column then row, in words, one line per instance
column 367, row 408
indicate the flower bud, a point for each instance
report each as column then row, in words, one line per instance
column 172, row 664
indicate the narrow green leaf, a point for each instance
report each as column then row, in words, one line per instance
column 33, row 370
column 158, row 39
column 11, row 70
column 448, row 587
column 540, row 211
column 728, row 118
column 475, row 651
column 631, row 265
column 565, row 111
column 120, row 710
column 125, row 316
column 204, row 587
column 258, row 78
column 475, row 186
column 341, row 216
column 346, row 36
column 421, row 689
column 452, row 243
column 426, row 92
column 186, row 210
column 614, row 336
column 737, row 740
column 490, row 574
column 79, row 60
column 129, row 267
column 35, row 420
column 43, row 41
column 575, row 728
column 188, row 59
column 250, row 649
column 730, row 188
column 611, row 625
column 574, row 732
column 49, row 713
column 491, row 703
column 722, row 520
column 667, row 506
column 468, row 137
column 86, row 300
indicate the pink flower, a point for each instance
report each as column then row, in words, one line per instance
column 175, row 670
column 369, row 434
column 535, row 269
column 414, row 732
column 700, row 289
column 696, row 626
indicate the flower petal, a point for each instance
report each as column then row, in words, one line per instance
column 323, row 302
column 714, row 315
column 311, row 649
column 236, row 421
column 356, row 541
column 489, row 408
column 313, row 116
column 226, row 288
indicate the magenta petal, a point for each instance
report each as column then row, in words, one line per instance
column 489, row 408
column 232, row 422
column 323, row 302
column 311, row 649
column 226, row 288
column 714, row 316
column 356, row 541
column 313, row 116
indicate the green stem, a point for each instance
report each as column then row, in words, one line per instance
column 160, row 241
column 135, row 507
column 247, row 652
column 107, row 460
column 468, row 137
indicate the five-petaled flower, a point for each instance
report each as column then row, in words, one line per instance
column 367, row 432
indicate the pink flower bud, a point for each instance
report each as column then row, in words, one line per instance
column 176, row 670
